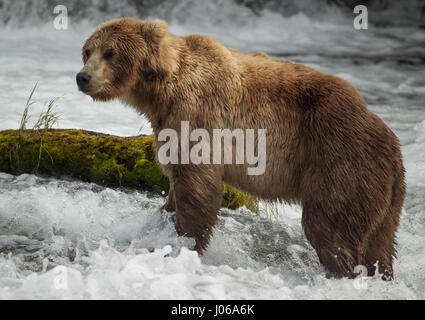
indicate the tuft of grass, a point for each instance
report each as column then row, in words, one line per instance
column 142, row 127
column 22, row 126
column 46, row 120
column 25, row 116
column 270, row 209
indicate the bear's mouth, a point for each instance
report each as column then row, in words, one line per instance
column 92, row 92
column 102, row 94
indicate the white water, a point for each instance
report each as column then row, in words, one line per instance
column 103, row 239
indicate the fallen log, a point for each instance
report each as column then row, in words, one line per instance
column 103, row 159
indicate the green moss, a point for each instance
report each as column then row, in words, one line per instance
column 94, row 157
column 234, row 198
column 5, row 138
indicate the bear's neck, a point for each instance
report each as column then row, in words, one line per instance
column 155, row 103
column 154, row 95
column 145, row 105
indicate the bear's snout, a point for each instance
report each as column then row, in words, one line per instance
column 83, row 81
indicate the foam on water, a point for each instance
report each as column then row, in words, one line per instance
column 103, row 239
column 73, row 240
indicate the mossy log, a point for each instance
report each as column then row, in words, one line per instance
column 106, row 160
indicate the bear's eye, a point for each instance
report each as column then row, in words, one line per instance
column 87, row 54
column 108, row 54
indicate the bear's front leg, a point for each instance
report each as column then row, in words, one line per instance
column 170, row 205
column 197, row 190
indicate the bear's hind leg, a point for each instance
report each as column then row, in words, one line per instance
column 380, row 246
column 334, row 246
column 381, row 249
column 381, row 243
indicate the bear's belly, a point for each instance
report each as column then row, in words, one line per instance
column 272, row 185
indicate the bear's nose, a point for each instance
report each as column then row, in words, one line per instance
column 83, row 80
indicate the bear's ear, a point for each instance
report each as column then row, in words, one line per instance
column 154, row 31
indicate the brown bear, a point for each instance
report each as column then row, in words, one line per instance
column 325, row 150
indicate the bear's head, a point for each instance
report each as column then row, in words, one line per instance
column 120, row 54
